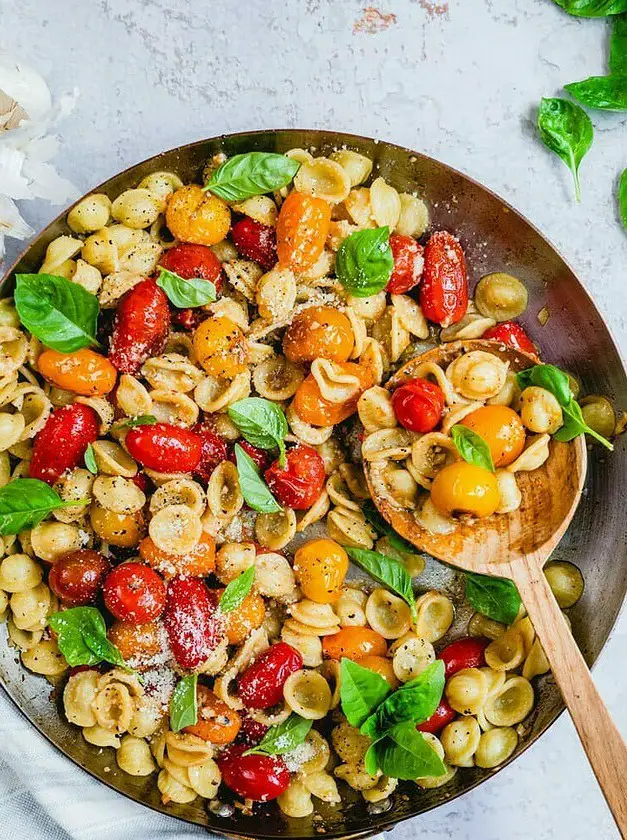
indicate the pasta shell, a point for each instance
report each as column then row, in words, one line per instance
column 277, row 379
column 307, row 693
column 477, row 375
column 533, row 456
column 387, row 614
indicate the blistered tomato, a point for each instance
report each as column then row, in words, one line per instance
column 444, row 287
column 261, row 457
column 220, row 347
column 465, row 488
column 300, row 482
column 464, row 653
column 199, row 562
column 313, row 408
column 354, row 643
column 257, row 777
column 164, row 447
column 137, row 641
column 408, row 264
column 320, row 567
column 62, row 442
column 76, row 577
column 193, row 262
column 190, row 622
column 513, row 335
column 443, row 715
column 302, row 229
column 501, row 428
column 81, row 372
column 133, row 592
column 197, row 216
column 319, row 332
column 261, row 684
column 239, row 623
column 255, row 241
column 418, row 405
column 213, row 450
column 217, row 722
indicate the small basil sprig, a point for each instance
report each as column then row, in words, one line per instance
column 384, row 528
column 82, row 637
column 593, row 8
column 361, row 691
column 284, row 737
column 261, row 422
column 364, row 261
column 236, row 591
column 90, row 459
column 574, row 425
column 404, row 753
column 140, row 420
column 472, row 447
column 604, row 93
column 387, row 571
column 495, row 597
column 618, row 45
column 254, row 173
column 566, row 129
column 61, row 314
column 24, row 502
column 254, row 489
column 622, row 198
column 184, row 703
column 186, row 294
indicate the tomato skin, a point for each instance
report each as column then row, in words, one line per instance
column 512, row 335
column 140, row 641
column 464, row 653
column 319, row 332
column 261, row 684
column 213, row 450
column 164, row 447
column 82, row 372
column 193, row 262
column 77, row 577
column 62, row 442
column 134, row 593
column 261, row 457
column 257, row 777
column 408, row 264
column 189, row 319
column 444, row 288
column 314, row 409
column 199, row 562
column 501, row 428
column 140, row 326
column 443, row 715
column 239, row 623
column 300, row 482
column 321, row 566
column 354, row 643
column 217, row 722
column 302, row 229
column 189, row 620
column 251, row 731
column 465, row 488
column 255, row 241
column 418, row 405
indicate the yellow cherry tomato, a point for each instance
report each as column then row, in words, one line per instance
column 354, row 643
column 381, row 665
column 81, row 372
column 220, row 347
column 122, row 529
column 465, row 488
column 501, row 428
column 196, row 216
column 320, row 567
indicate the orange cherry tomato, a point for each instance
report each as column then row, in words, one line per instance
column 465, row 488
column 81, row 372
column 501, row 428
column 220, row 347
column 302, row 229
column 217, row 722
column 312, row 407
column 199, row 562
column 239, row 622
column 320, row 567
column 354, row 643
column 319, row 332
column 197, row 216
column 139, row 641
column 381, row 665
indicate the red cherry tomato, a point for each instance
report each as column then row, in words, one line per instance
column 418, row 405
column 62, row 442
column 257, row 777
column 300, row 482
column 251, row 731
column 408, row 264
column 444, row 289
column 189, row 319
column 261, row 684
column 190, row 622
column 135, row 593
column 164, row 447
column 78, row 669
column 77, row 577
column 193, row 262
column 255, row 241
column 443, row 714
column 140, row 326
column 261, row 457
column 213, row 450
column 513, row 335
column 464, row 653
column 142, row 481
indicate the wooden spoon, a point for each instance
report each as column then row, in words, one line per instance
column 516, row 546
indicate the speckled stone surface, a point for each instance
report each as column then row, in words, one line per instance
column 457, row 80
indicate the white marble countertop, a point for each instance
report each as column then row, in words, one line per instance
column 458, row 80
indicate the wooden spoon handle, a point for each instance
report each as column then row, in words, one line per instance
column 604, row 746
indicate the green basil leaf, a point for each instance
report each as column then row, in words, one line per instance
column 622, row 197
column 593, row 8
column 550, row 378
column 237, row 590
column 24, row 502
column 261, row 423
column 383, row 527
column 495, row 597
column 387, row 571
column 618, row 45
column 254, row 173
column 184, row 703
column 140, row 420
column 254, row 489
column 574, row 424
column 284, row 737
column 414, row 702
column 90, row 459
column 364, row 261
column 61, row 314
column 102, row 647
column 183, row 293
column 605, row 93
column 361, row 691
column 403, row 753
column 82, row 637
column 566, row 129
column 472, row 447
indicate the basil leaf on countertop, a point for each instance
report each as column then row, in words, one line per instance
column 284, row 737
column 24, row 502
column 254, row 173
column 605, row 93
column 383, row 527
column 472, row 447
column 61, row 314
column 82, row 637
column 364, row 261
column 574, row 424
column 403, row 753
column 261, row 422
column 184, row 703
column 622, row 197
column 549, row 377
column 236, row 591
column 593, row 8
column 255, row 491
column 90, row 459
column 183, row 293
column 140, row 420
column 387, row 571
column 361, row 691
column 618, row 45
column 495, row 597
column 567, row 130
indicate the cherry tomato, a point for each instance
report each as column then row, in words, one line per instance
column 199, row 562
column 142, row 481
column 444, row 288
column 300, row 482
column 134, row 592
column 140, row 327
column 501, row 428
column 164, row 447
column 319, row 332
column 314, row 409
column 512, row 335
column 302, row 229
column 251, row 731
column 238, row 623
column 60, row 445
column 217, row 722
column 81, row 372
column 189, row 319
column 381, row 665
column 255, row 241
column 194, row 215
column 213, row 450
column 354, row 643
column 193, row 262
column 261, row 684
column 439, row 719
column 123, row 530
column 257, row 777
column 464, row 653
column 418, row 405
column 76, row 577
column 408, row 264
column 320, row 567
column 465, row 488
column 220, row 347
column 190, row 622
column 136, row 641
column 261, row 457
